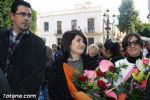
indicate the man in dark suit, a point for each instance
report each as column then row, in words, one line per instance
column 22, row 53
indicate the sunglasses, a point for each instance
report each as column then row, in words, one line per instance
column 129, row 44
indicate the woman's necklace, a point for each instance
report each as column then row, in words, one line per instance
column 75, row 64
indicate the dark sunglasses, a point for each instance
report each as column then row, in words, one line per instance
column 23, row 14
column 129, row 44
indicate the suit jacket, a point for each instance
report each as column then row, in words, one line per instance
column 26, row 68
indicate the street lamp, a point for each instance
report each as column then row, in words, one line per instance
column 108, row 23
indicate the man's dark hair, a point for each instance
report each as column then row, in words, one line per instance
column 17, row 3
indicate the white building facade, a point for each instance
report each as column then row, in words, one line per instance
column 149, row 11
column 89, row 20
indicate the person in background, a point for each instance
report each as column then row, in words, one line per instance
column 93, row 56
column 101, row 47
column 43, row 91
column 22, row 53
column 60, row 74
column 111, row 51
column 148, row 49
column 49, row 54
column 54, row 49
column 145, row 50
column 92, row 50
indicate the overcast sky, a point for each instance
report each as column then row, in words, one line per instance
column 113, row 5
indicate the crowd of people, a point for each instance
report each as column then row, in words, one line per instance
column 28, row 66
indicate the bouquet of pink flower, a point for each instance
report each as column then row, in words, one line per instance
column 135, row 82
column 141, row 76
column 98, row 83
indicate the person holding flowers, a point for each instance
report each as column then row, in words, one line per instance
column 132, row 79
column 60, row 74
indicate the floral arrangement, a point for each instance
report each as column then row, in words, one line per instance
column 98, row 84
column 136, row 80
column 142, row 75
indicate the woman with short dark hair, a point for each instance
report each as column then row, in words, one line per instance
column 60, row 73
column 67, row 39
column 128, row 37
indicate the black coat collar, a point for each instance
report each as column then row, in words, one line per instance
column 133, row 59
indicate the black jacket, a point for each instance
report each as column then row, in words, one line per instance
column 116, row 58
column 4, row 86
column 27, row 63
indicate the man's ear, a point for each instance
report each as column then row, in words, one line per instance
column 12, row 16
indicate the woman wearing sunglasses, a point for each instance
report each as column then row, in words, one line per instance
column 133, row 45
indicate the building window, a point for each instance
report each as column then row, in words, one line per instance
column 59, row 27
column 73, row 24
column 46, row 26
column 90, row 41
column 91, row 25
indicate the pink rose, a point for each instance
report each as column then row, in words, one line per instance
column 90, row 74
column 104, row 65
column 136, row 71
column 145, row 61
